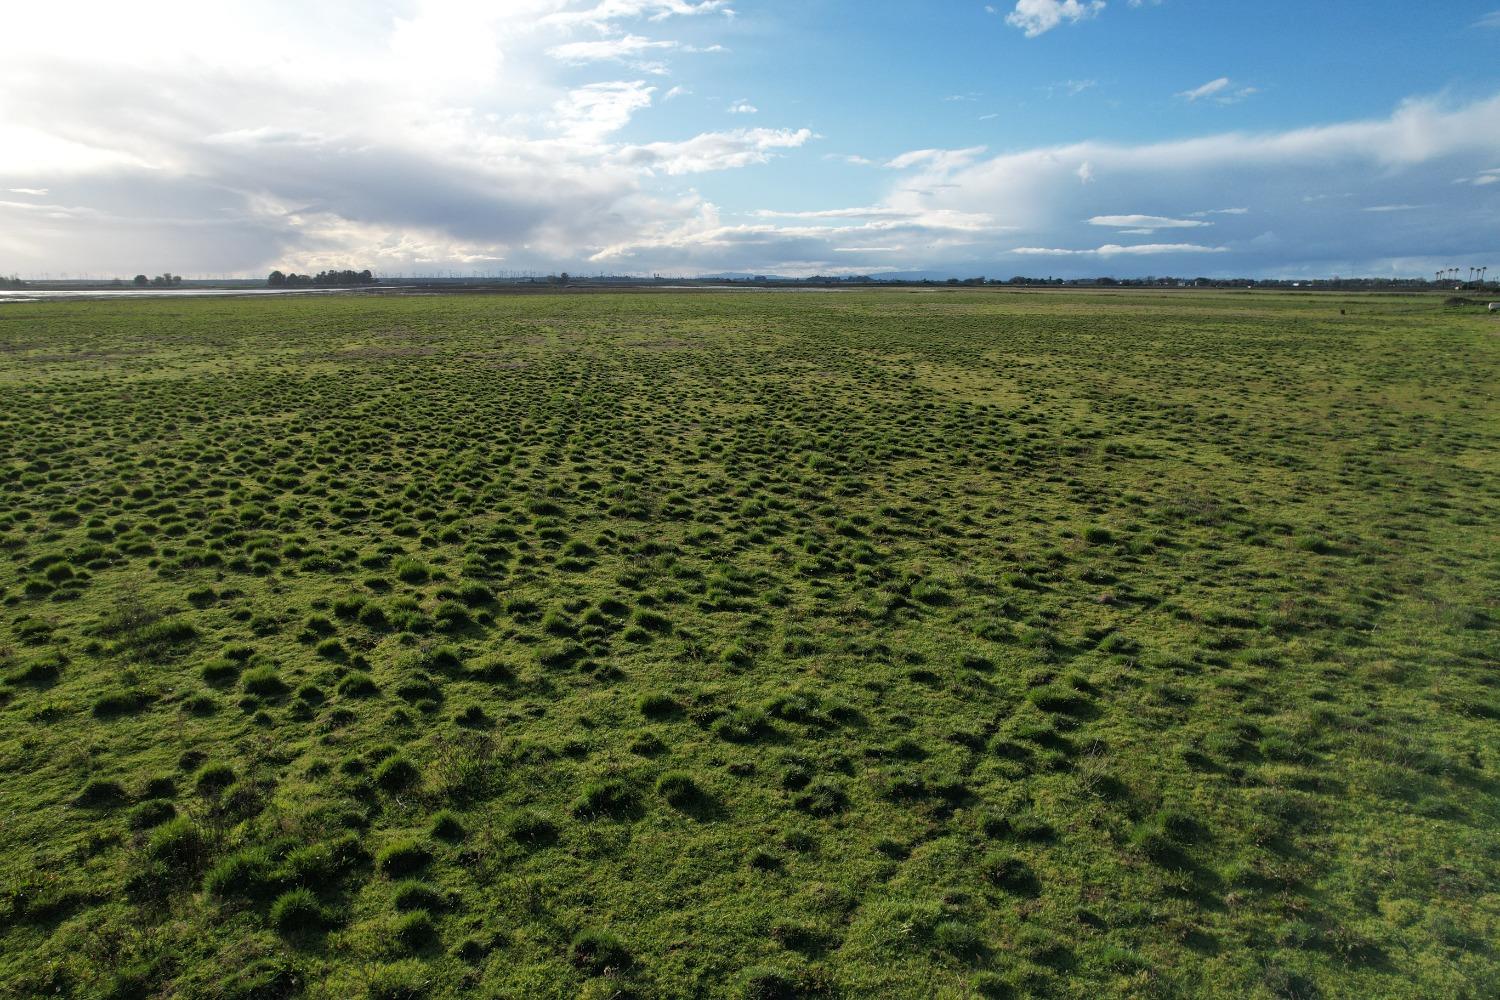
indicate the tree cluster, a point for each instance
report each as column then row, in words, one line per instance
column 323, row 279
column 14, row 281
column 164, row 280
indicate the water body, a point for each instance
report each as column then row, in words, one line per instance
column 54, row 294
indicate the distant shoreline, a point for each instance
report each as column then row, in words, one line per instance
column 84, row 294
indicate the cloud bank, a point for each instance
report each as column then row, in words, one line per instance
column 969, row 212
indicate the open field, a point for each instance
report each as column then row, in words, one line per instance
column 897, row 644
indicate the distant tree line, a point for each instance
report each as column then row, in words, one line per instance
column 14, row 281
column 1317, row 284
column 164, row 280
column 323, row 279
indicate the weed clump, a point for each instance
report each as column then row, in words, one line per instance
column 358, row 685
column 179, row 845
column 745, row 725
column 1165, row 837
column 608, row 799
column 599, row 953
column 296, row 911
column 101, row 793
column 120, row 703
column 959, row 939
column 531, row 829
column 659, row 706
column 679, row 788
column 247, row 873
column 263, row 682
column 213, row 778
column 415, row 930
column 768, row 982
column 402, row 858
column 396, row 773
column 447, row 826
column 1005, row 871
column 151, row 814
column 823, row 797
column 405, row 980
column 412, row 895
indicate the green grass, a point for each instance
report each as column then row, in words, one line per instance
column 888, row 643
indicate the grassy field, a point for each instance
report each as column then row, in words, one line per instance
column 867, row 644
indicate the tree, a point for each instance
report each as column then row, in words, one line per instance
column 323, row 279
column 141, row 281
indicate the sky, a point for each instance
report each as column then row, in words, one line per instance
column 1067, row 138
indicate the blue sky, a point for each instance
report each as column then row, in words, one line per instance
column 1042, row 137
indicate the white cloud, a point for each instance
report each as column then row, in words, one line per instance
column 1221, row 91
column 591, row 112
column 1208, row 89
column 620, row 48
column 868, row 212
column 1115, row 250
column 1036, row 17
column 603, row 15
column 742, row 108
column 1071, row 88
column 1145, row 223
column 712, row 150
column 935, row 159
column 626, row 48
column 1482, row 178
column 799, row 249
column 1490, row 20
